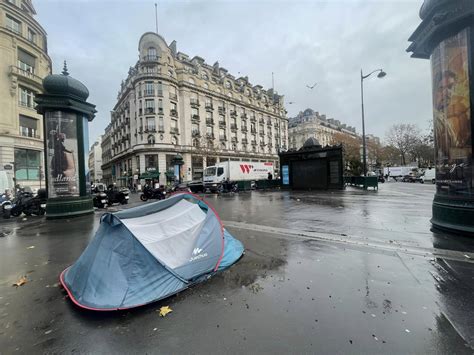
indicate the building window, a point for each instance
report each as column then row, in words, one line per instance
column 26, row 61
column 149, row 90
column 151, row 162
column 151, row 139
column 152, row 53
column 150, row 123
column 161, row 124
column 27, row 164
column 31, row 35
column 13, row 25
column 26, row 97
column 28, row 127
column 149, row 106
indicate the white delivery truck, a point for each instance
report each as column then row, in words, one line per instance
column 398, row 171
column 235, row 171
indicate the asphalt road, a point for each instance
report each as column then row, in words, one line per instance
column 324, row 272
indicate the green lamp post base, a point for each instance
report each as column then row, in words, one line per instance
column 64, row 207
column 453, row 216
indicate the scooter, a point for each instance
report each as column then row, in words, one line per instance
column 27, row 203
column 5, row 205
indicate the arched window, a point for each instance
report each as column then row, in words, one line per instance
column 223, row 145
column 229, row 94
column 195, row 143
column 151, row 53
column 174, row 140
column 191, row 81
column 151, row 139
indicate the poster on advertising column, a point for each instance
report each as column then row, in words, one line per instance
column 63, row 172
column 452, row 115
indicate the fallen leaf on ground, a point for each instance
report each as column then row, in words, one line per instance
column 165, row 310
column 21, row 281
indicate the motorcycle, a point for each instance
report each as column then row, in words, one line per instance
column 228, row 186
column 116, row 195
column 151, row 193
column 100, row 200
column 29, row 204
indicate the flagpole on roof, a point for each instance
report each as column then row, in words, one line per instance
column 156, row 17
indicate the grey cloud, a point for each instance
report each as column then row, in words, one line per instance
column 302, row 42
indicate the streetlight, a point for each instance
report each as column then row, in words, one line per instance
column 380, row 75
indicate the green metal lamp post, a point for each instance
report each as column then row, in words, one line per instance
column 446, row 37
column 66, row 115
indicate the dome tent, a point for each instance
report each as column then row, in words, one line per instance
column 150, row 252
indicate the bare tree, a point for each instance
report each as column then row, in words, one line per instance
column 205, row 147
column 404, row 137
column 351, row 146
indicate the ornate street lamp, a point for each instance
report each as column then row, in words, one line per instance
column 446, row 36
column 380, row 75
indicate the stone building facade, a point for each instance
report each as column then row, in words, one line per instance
column 171, row 103
column 310, row 123
column 95, row 162
column 24, row 62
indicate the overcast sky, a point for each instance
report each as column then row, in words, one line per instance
column 302, row 42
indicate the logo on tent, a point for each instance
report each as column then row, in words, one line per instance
column 197, row 254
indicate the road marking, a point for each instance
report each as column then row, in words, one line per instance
column 356, row 241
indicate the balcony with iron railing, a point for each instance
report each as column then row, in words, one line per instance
column 195, row 118
column 253, row 130
column 210, row 135
column 253, row 142
column 173, row 113
column 233, row 113
column 150, row 58
column 233, row 126
column 26, row 75
column 253, row 119
column 222, row 137
column 222, row 124
column 209, row 121
column 209, row 106
column 261, row 133
column 149, row 110
column 234, row 140
column 149, row 92
column 194, row 102
column 221, row 109
column 173, row 96
column 244, row 141
column 161, row 129
column 150, row 129
column 174, row 130
column 196, row 133
column 244, row 129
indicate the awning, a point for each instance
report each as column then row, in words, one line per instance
column 150, row 175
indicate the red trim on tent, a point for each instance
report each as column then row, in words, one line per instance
column 76, row 302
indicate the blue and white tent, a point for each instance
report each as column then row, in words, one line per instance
column 144, row 254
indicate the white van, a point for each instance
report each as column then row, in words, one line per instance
column 429, row 175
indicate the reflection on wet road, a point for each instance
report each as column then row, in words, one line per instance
column 324, row 272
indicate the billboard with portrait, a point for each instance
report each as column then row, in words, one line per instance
column 61, row 151
column 452, row 115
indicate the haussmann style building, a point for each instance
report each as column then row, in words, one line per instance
column 24, row 62
column 172, row 104
column 311, row 124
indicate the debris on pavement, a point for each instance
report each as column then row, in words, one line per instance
column 165, row 310
column 21, row 281
column 31, row 247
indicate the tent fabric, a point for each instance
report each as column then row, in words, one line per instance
column 150, row 252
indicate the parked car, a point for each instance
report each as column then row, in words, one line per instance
column 412, row 178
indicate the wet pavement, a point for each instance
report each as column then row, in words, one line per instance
column 324, row 272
